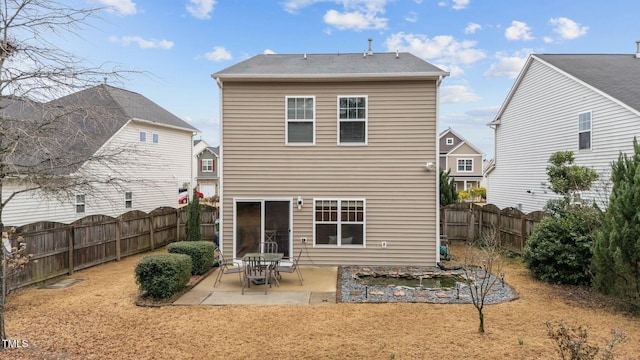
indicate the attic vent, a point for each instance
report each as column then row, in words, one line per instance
column 397, row 54
column 305, row 56
column 370, row 52
column 638, row 49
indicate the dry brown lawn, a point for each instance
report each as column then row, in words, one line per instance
column 97, row 319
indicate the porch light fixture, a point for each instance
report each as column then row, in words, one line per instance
column 430, row 166
column 300, row 202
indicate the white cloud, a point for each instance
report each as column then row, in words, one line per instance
column 355, row 20
column 411, row 17
column 142, row 43
column 201, row 9
column 460, row 4
column 268, row 51
column 442, row 3
column 443, row 48
column 123, row 7
column 292, row 6
column 567, row 28
column 547, row 39
column 457, row 94
column 472, row 28
column 518, row 31
column 508, row 66
column 219, row 53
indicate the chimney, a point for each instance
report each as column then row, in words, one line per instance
column 637, row 49
column 370, row 52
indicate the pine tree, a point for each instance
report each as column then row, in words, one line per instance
column 192, row 226
column 616, row 252
column 448, row 192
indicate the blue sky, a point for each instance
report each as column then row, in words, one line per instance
column 484, row 44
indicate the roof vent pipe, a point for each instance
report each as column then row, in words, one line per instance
column 638, row 49
column 370, row 52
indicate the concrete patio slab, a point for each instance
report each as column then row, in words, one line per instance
column 319, row 287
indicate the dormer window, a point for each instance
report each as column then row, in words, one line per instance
column 449, row 141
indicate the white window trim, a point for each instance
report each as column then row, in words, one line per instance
column 210, row 167
column 465, row 165
column 83, row 203
column 339, row 222
column 130, row 200
column 449, row 141
column 286, row 121
column 582, row 131
column 366, row 121
column 155, row 138
column 141, row 134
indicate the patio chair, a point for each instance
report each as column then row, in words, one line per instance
column 293, row 268
column 226, row 267
column 254, row 270
column 270, row 247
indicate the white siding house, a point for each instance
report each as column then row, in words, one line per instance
column 154, row 151
column 588, row 104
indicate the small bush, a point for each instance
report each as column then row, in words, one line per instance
column 163, row 275
column 571, row 342
column 201, row 253
column 559, row 249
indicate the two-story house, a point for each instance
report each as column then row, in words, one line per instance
column 331, row 153
column 134, row 153
column 585, row 103
column 462, row 159
column 205, row 168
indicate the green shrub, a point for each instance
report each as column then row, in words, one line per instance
column 201, row 253
column 163, row 275
column 559, row 249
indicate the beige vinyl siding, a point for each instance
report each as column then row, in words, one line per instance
column 389, row 172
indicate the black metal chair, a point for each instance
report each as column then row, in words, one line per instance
column 294, row 268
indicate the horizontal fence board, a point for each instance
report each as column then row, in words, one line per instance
column 61, row 249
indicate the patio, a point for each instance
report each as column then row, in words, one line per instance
column 320, row 284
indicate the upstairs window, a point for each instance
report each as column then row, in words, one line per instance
column 449, row 141
column 80, row 204
column 300, row 120
column 465, row 165
column 155, row 138
column 128, row 200
column 143, row 136
column 584, row 131
column 352, row 120
column 207, row 165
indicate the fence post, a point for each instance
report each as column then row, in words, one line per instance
column 445, row 230
column 470, row 228
column 118, row 237
column 70, row 235
column 523, row 231
column 178, row 224
column 151, row 230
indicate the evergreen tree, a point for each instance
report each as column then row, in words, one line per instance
column 192, row 226
column 616, row 252
column 448, row 192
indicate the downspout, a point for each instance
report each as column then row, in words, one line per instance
column 220, row 172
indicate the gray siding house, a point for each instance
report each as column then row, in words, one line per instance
column 327, row 153
column 588, row 104
column 206, row 168
column 462, row 159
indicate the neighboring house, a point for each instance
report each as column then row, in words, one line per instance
column 205, row 168
column 153, row 149
column 332, row 154
column 462, row 158
column 588, row 104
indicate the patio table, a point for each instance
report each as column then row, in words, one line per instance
column 271, row 259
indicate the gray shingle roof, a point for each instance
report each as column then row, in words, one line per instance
column 91, row 118
column 330, row 66
column 618, row 75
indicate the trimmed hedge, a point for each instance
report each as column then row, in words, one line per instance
column 201, row 253
column 163, row 275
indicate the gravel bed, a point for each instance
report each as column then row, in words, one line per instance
column 352, row 289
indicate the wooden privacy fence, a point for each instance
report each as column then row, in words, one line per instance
column 466, row 221
column 64, row 248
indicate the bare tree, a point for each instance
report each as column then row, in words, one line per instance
column 482, row 262
column 51, row 128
